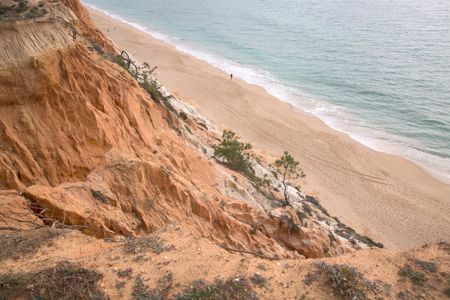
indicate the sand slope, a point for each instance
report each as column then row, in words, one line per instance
column 387, row 197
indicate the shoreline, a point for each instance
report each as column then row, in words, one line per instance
column 378, row 194
column 277, row 89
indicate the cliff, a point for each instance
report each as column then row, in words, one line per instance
column 84, row 147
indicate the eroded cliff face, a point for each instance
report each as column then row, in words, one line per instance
column 88, row 28
column 83, row 145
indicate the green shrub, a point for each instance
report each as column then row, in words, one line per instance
column 3, row 9
column 345, row 281
column 21, row 10
column 428, row 266
column 152, row 89
column 235, row 154
column 288, row 168
column 35, row 12
column 239, row 156
column 416, row 277
column 120, row 61
column 145, row 71
column 142, row 74
column 22, row 6
column 141, row 291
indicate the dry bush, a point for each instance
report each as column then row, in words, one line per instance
column 231, row 289
column 18, row 244
column 64, row 281
column 137, row 245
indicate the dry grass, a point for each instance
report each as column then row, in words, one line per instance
column 427, row 266
column 231, row 289
column 141, row 291
column 143, row 244
column 64, row 281
column 18, row 244
column 258, row 280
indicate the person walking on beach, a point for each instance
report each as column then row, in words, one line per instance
column 231, row 76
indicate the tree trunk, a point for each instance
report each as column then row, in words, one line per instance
column 285, row 189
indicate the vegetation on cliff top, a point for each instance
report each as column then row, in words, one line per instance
column 231, row 289
column 144, row 74
column 235, row 154
column 64, row 281
column 239, row 156
column 17, row 245
column 345, row 281
column 21, row 10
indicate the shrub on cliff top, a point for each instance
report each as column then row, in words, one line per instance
column 21, row 10
column 416, row 277
column 64, row 281
column 232, row 289
column 19, row 244
column 3, row 9
column 135, row 245
column 428, row 266
column 120, row 61
column 141, row 291
column 152, row 89
column 345, row 281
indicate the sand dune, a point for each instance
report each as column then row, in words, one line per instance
column 384, row 196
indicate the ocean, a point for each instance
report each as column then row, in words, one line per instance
column 378, row 70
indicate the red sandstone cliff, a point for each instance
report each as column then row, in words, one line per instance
column 84, row 145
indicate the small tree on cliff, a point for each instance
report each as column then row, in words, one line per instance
column 288, row 168
column 237, row 155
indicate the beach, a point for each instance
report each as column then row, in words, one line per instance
column 388, row 198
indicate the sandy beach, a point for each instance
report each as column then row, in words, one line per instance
column 386, row 197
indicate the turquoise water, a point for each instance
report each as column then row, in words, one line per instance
column 378, row 70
